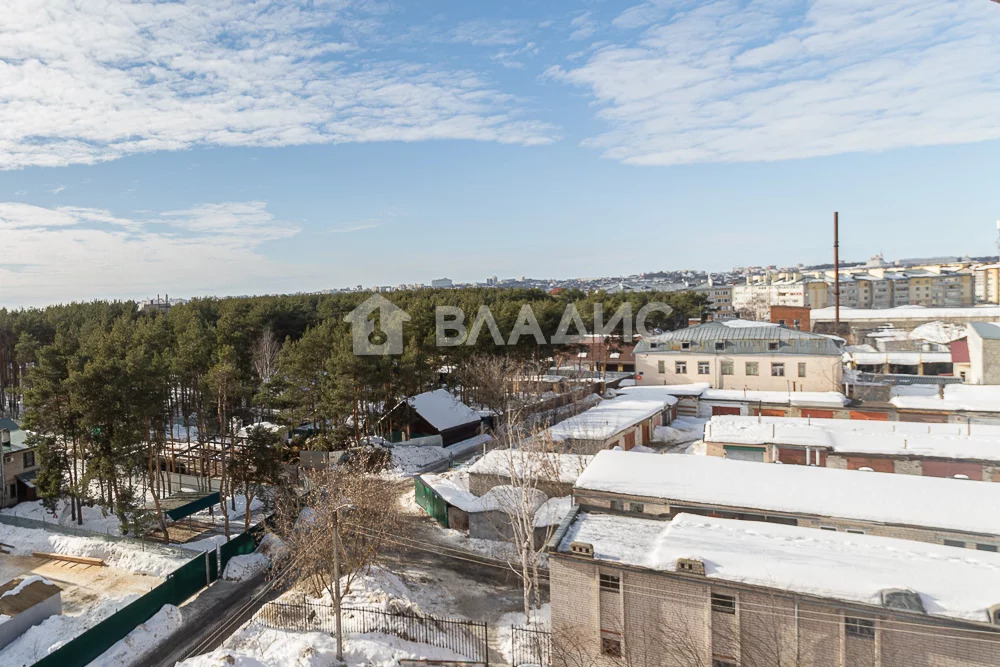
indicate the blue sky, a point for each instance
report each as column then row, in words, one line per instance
column 225, row 148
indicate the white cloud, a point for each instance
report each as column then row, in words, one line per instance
column 56, row 190
column 745, row 80
column 583, row 26
column 74, row 253
column 85, row 82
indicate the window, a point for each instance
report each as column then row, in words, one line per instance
column 727, row 367
column 636, row 507
column 685, row 345
column 720, row 346
column 862, row 628
column 661, row 367
column 777, row 370
column 611, row 583
column 828, row 528
column 954, row 543
column 855, row 531
column 772, row 346
column 29, row 459
column 611, row 647
column 725, row 604
column 703, row 368
column 618, row 505
column 986, row 547
column 802, row 369
column 781, row 322
column 751, row 368
column 680, row 367
column 797, row 323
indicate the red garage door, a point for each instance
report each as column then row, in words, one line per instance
column 817, row 414
column 874, row 416
column 725, row 410
column 952, row 468
column 876, row 464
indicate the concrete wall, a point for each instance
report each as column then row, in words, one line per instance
column 17, row 625
column 822, row 372
column 667, row 619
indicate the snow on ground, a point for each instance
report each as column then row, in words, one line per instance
column 40, row 640
column 541, row 620
column 257, row 646
column 142, row 641
column 96, row 519
column 132, row 556
column 245, row 566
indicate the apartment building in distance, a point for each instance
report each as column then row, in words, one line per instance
column 740, row 355
column 720, row 299
column 699, row 591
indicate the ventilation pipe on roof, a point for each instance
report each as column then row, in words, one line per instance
column 691, row 566
column 994, row 613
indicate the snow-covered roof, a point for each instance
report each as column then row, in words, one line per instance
column 905, row 313
column 826, row 564
column 553, row 511
column 693, row 389
column 830, row 398
column 971, row 397
column 931, row 502
column 941, row 333
column 452, row 493
column 860, row 436
column 900, row 358
column 649, row 392
column 608, row 418
column 442, row 410
column 564, row 468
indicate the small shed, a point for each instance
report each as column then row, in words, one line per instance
column 438, row 412
column 24, row 602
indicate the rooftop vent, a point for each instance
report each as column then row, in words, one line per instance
column 902, row 599
column 582, row 549
column 690, row 565
column 4, row 436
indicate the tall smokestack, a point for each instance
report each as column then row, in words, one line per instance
column 836, row 271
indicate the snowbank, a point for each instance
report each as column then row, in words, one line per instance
column 142, row 641
column 246, row 566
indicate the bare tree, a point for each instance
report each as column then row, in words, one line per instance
column 265, row 355
column 361, row 505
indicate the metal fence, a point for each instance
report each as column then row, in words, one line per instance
column 467, row 638
column 530, row 646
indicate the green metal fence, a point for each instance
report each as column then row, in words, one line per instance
column 181, row 584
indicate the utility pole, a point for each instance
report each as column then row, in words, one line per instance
column 836, row 272
column 336, row 582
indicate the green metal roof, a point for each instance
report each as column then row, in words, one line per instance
column 17, row 436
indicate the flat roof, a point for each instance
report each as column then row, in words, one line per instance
column 608, row 418
column 904, row 313
column 564, row 468
column 911, row 500
column 967, row 397
column 952, row 583
column 953, row 441
column 826, row 398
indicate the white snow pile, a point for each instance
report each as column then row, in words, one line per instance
column 680, row 431
column 246, row 566
column 410, row 459
column 541, row 619
column 257, row 646
column 958, row 505
column 96, row 519
column 143, row 641
column 841, row 566
column 124, row 555
column 39, row 640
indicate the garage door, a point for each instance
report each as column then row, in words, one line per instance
column 745, row 453
column 817, row 414
column 874, row 416
column 725, row 410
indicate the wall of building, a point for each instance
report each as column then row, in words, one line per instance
column 822, row 372
column 13, row 465
column 665, row 618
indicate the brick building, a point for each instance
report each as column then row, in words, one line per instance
column 793, row 317
column 700, row 591
column 962, row 513
column 935, row 450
